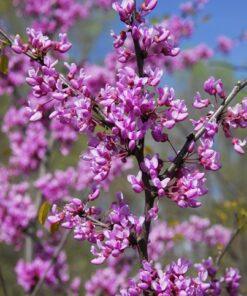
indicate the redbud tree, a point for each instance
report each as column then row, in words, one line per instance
column 120, row 107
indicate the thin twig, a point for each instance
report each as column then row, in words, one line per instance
column 52, row 261
column 225, row 250
column 97, row 222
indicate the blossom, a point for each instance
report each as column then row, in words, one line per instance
column 125, row 9
column 214, row 87
column 238, row 145
column 232, row 278
column 225, row 44
column 209, row 158
column 136, row 182
column 148, row 5
column 40, row 44
column 187, row 188
column 16, row 211
column 199, row 102
column 29, row 273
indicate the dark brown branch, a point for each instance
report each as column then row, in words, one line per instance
column 139, row 57
column 142, row 239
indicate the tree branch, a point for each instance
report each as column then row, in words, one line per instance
column 179, row 160
column 52, row 261
column 142, row 239
column 227, row 247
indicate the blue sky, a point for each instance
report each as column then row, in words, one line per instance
column 227, row 17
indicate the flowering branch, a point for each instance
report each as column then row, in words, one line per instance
column 179, row 160
column 7, row 40
column 129, row 103
column 52, row 261
column 142, row 240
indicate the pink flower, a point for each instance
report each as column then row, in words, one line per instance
column 238, row 145
column 214, row 87
column 149, row 5
column 199, row 103
column 136, row 182
column 225, row 44
column 125, row 9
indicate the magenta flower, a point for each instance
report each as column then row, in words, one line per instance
column 199, row 103
column 125, row 9
column 238, row 145
column 225, row 44
column 149, row 5
column 136, row 182
column 214, row 87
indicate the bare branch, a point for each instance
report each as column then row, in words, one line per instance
column 227, row 247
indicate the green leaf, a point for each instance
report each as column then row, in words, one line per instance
column 43, row 212
column 4, row 63
column 54, row 227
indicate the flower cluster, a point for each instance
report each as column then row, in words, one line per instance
column 225, row 44
column 117, row 106
column 106, row 280
column 111, row 239
column 192, row 7
column 51, row 16
column 175, row 279
column 56, row 187
column 163, row 237
column 236, row 118
column 28, row 142
column 16, row 211
column 17, row 69
column 39, row 44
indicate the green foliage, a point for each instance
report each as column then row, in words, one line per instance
column 4, row 62
column 43, row 212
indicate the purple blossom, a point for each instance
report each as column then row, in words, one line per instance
column 209, row 158
column 225, row 44
column 199, row 103
column 238, row 145
column 214, row 87
column 136, row 182
column 187, row 188
column 232, row 279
